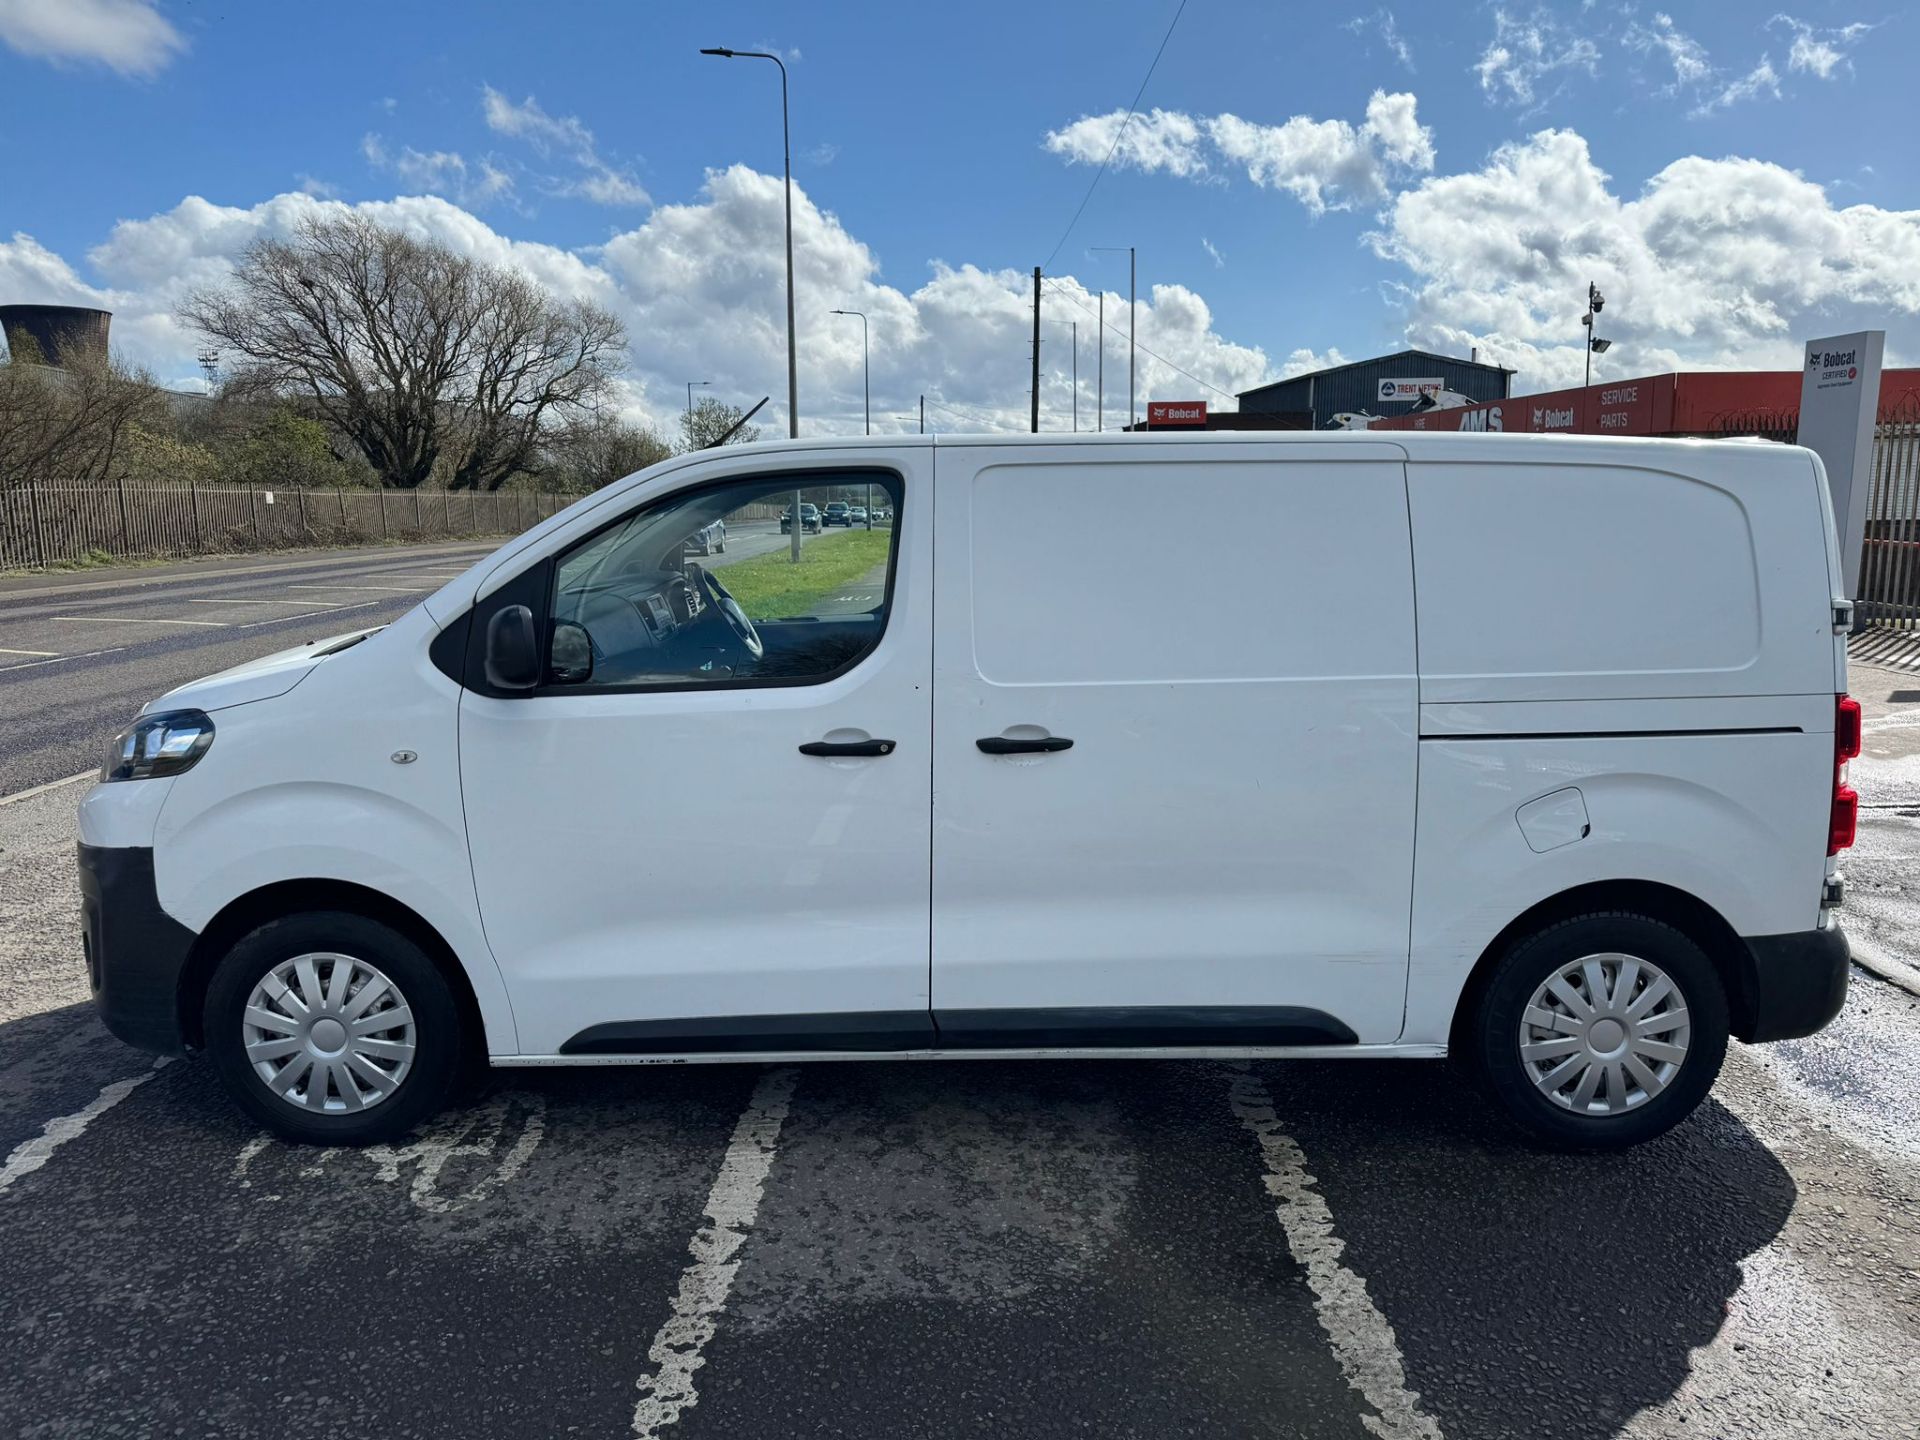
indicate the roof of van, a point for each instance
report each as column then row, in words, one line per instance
column 1414, row 444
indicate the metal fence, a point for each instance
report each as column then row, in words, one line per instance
column 1890, row 560
column 43, row 525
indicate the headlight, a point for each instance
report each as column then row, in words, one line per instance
column 155, row 745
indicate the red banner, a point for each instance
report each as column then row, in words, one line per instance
column 1176, row 412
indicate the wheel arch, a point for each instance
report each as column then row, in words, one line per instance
column 1688, row 914
column 249, row 912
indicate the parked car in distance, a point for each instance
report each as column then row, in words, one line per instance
column 838, row 513
column 1558, row 786
column 708, row 539
column 809, row 519
column 858, row 514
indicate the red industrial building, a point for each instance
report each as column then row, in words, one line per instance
column 1693, row 402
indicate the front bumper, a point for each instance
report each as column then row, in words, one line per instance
column 136, row 952
column 1795, row 983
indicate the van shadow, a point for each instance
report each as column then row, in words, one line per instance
column 1532, row 1293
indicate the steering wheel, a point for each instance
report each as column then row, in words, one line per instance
column 716, row 598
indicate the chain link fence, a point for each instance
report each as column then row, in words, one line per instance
column 42, row 525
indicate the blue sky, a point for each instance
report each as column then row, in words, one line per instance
column 1779, row 148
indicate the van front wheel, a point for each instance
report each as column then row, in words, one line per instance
column 333, row 1029
column 1601, row 1031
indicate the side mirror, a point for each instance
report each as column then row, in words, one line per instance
column 570, row 656
column 513, row 655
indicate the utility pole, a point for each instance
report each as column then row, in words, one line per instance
column 1596, row 302
column 1132, row 295
column 923, row 414
column 1076, row 375
column 1036, row 349
column 1100, row 368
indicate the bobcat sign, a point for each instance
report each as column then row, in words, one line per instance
column 1839, row 395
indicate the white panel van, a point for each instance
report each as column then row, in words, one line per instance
column 1527, row 750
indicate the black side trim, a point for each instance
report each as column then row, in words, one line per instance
column 1798, row 982
column 135, row 950
column 734, row 1034
column 1145, row 1025
column 1620, row 734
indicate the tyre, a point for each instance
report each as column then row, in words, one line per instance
column 331, row 1028
column 1601, row 1031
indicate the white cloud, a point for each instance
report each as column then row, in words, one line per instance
column 599, row 180
column 701, row 287
column 1723, row 262
column 129, row 36
column 1325, row 164
column 441, row 172
column 1158, row 140
column 1528, row 49
column 1213, row 253
column 823, row 154
column 1762, row 80
column 1304, row 361
column 1381, row 26
column 1819, row 52
column 1687, row 56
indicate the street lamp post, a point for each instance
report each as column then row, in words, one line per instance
column 1132, row 292
column 793, row 355
column 1596, row 302
column 1100, row 367
column 866, row 363
column 690, row 385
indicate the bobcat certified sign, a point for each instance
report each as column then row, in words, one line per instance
column 1400, row 391
column 1176, row 412
column 1839, row 395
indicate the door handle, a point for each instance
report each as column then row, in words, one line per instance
column 847, row 747
column 1001, row 745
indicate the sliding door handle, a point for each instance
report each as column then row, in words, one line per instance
column 1002, row 745
column 847, row 747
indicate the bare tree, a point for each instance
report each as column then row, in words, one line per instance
column 425, row 360
column 709, row 420
column 71, row 424
column 597, row 450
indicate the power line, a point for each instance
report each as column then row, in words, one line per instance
column 1067, row 296
column 1118, row 135
column 964, row 412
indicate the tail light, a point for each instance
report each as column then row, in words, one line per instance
column 1843, row 819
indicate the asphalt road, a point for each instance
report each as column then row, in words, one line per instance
column 955, row 1249
column 80, row 654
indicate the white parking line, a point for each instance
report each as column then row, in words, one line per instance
column 83, row 655
column 306, row 614
column 5, row 651
column 29, row 1155
column 732, row 1205
column 124, row 620
column 238, row 601
column 50, row 785
column 385, row 589
column 1362, row 1340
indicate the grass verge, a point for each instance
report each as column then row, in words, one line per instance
column 772, row 587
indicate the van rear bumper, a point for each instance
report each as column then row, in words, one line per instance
column 136, row 952
column 1796, row 983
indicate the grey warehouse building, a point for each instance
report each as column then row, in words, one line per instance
column 1388, row 385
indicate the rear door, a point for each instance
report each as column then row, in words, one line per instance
column 1224, row 635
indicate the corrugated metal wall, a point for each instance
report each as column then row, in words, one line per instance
column 1357, row 387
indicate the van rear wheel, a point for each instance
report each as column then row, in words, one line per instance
column 333, row 1029
column 1601, row 1031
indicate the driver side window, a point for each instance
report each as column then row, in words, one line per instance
column 772, row 580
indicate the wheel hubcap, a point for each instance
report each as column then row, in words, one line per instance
column 1604, row 1034
column 328, row 1034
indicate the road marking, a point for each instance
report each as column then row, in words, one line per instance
column 29, row 1155
column 83, row 655
column 5, row 651
column 732, row 1205
column 50, row 785
column 237, row 601
column 1363, row 1342
column 387, row 589
column 122, row 620
column 308, row 614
